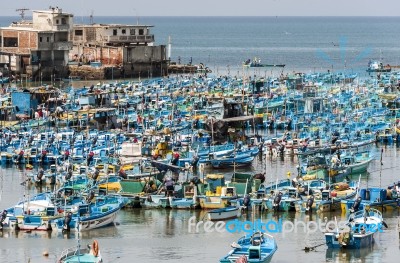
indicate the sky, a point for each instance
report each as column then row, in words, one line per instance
column 211, row 7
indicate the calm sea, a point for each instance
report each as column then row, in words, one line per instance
column 222, row 43
column 304, row 44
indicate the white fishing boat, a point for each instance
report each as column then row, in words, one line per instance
column 224, row 213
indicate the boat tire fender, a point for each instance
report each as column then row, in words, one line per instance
column 95, row 248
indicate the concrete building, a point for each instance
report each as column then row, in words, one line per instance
column 128, row 48
column 38, row 48
column 51, row 47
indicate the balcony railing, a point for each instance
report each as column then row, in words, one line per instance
column 129, row 39
column 61, row 28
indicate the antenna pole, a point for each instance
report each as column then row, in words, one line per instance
column 22, row 12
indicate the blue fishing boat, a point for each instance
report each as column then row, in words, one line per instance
column 255, row 248
column 89, row 254
column 238, row 160
column 378, row 198
column 90, row 216
column 358, row 232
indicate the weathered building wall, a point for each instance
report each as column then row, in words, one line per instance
column 144, row 54
column 26, row 41
column 106, row 55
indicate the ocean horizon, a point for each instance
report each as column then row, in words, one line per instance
column 303, row 43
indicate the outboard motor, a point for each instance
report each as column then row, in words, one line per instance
column 277, row 201
column 281, row 149
column 195, row 180
column 67, row 221
column 289, row 124
column 2, row 218
column 246, row 202
column 310, row 202
column 96, row 174
column 20, row 156
column 195, row 161
column 90, row 197
column 94, row 141
column 53, row 179
column 271, row 124
column 68, row 175
column 356, row 205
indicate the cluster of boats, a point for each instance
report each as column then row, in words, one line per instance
column 157, row 143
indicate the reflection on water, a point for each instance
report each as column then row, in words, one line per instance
column 348, row 255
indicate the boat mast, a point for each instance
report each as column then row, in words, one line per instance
column 380, row 172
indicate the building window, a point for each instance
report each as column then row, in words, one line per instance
column 48, row 39
column 124, row 31
column 132, row 32
column 78, row 32
column 40, row 39
column 141, row 32
column 63, row 21
column 10, row 41
column 114, row 32
column 57, row 21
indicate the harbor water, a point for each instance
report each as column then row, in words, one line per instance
column 162, row 235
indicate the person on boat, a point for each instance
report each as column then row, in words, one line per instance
column 96, row 174
column 122, row 173
column 90, row 197
column 169, row 184
column 40, row 175
column 175, row 159
column 20, row 156
column 59, row 111
column 66, row 154
column 90, row 157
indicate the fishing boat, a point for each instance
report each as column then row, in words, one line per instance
column 358, row 232
column 91, row 216
column 374, row 197
column 377, row 66
column 256, row 63
column 224, row 213
column 220, row 199
column 238, row 160
column 356, row 163
column 256, row 248
column 89, row 254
